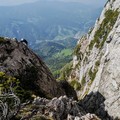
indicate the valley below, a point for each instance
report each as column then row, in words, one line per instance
column 51, row 28
column 65, row 68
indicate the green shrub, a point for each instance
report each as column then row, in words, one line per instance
column 110, row 16
column 92, row 74
column 2, row 39
column 6, row 82
column 77, row 49
column 105, row 28
column 56, row 73
column 75, row 84
column 97, row 63
column 83, row 81
column 65, row 71
column 85, row 59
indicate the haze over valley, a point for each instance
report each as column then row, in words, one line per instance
column 51, row 27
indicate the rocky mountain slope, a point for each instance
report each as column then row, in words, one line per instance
column 62, row 108
column 94, row 73
column 17, row 60
column 96, row 62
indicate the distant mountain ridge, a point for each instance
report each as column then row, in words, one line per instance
column 46, row 25
column 44, row 20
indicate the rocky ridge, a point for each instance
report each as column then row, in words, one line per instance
column 94, row 74
column 62, row 108
column 96, row 61
column 17, row 60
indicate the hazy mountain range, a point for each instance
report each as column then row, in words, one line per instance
column 50, row 26
column 96, row 3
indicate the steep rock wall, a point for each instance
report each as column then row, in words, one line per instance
column 97, row 63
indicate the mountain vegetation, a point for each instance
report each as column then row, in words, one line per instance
column 87, row 88
column 48, row 26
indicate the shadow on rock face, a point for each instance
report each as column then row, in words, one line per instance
column 94, row 103
column 17, row 60
column 70, row 92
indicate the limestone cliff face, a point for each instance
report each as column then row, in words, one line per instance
column 17, row 60
column 96, row 64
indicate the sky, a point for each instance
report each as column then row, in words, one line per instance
column 14, row 2
column 17, row 2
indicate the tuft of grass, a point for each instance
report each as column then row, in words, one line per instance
column 75, row 84
column 83, row 81
column 2, row 39
column 65, row 71
column 97, row 63
column 77, row 49
column 104, row 29
column 92, row 74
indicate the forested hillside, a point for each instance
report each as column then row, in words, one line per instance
column 50, row 27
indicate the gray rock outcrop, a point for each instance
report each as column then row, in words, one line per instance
column 97, row 67
column 62, row 108
column 17, row 60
